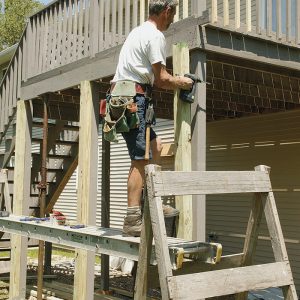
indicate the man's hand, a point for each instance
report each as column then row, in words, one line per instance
column 185, row 83
column 165, row 80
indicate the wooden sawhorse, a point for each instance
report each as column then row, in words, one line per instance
column 214, row 283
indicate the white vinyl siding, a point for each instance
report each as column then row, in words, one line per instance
column 242, row 144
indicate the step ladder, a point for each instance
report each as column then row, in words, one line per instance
column 218, row 282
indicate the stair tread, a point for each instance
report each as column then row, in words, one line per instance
column 53, row 155
column 62, row 142
column 66, row 127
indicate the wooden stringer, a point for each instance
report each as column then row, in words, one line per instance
column 238, row 277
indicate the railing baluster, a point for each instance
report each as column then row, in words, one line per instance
column 10, row 93
column 94, row 27
column 59, row 37
column 127, row 17
column 101, row 25
column 50, row 39
column 37, row 44
column 142, row 11
column 6, row 97
column 46, row 33
column 269, row 18
column 106, row 24
column 134, row 13
column 80, row 30
column 278, row 23
column 258, row 17
column 1, row 113
column 75, row 31
column 214, row 11
column 39, row 57
column 33, row 46
column 120, row 21
column 288, row 20
column 64, row 33
column 20, row 67
column 248, row 16
column 225, row 13
column 297, row 22
column 15, row 80
column 86, row 28
column 185, row 9
column 69, row 30
column 176, row 17
column 114, row 21
column 54, row 37
column 237, row 14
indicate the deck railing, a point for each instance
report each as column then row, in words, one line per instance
column 275, row 19
column 73, row 29
column 66, row 31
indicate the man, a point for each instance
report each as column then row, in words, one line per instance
column 143, row 61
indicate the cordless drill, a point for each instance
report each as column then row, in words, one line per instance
column 189, row 95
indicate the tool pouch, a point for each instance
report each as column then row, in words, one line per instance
column 121, row 111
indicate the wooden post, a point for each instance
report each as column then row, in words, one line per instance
column 182, row 124
column 87, row 186
column 17, row 289
column 198, row 132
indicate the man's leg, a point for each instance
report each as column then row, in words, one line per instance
column 136, row 177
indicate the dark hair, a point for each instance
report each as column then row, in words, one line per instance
column 157, row 6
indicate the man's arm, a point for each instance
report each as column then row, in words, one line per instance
column 165, row 80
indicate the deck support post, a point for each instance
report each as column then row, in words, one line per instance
column 87, row 185
column 182, row 124
column 17, row 289
column 198, row 133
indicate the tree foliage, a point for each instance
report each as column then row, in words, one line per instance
column 13, row 18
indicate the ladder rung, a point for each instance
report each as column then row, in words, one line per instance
column 229, row 281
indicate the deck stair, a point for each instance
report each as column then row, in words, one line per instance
column 215, row 283
column 61, row 163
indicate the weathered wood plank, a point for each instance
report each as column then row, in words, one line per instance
column 94, row 22
column 134, row 13
column 101, row 25
column 185, row 9
column 229, row 281
column 127, row 17
column 258, row 17
column 248, row 15
column 288, row 20
column 278, row 20
column 214, row 11
column 64, row 33
column 86, row 28
column 145, row 249
column 182, row 128
column 120, row 21
column 114, row 21
column 269, row 18
column 225, row 13
column 59, row 35
column 252, row 232
column 159, row 233
column 70, row 35
column 142, row 11
column 297, row 22
column 106, row 24
column 46, row 42
column 237, row 14
column 211, row 182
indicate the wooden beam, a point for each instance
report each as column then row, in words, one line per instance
column 198, row 132
column 87, row 185
column 21, row 198
column 182, row 122
column 229, row 281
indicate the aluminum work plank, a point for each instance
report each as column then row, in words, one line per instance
column 100, row 240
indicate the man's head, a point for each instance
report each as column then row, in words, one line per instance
column 165, row 10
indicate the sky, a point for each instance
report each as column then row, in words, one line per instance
column 45, row 1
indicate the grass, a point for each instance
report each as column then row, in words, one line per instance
column 33, row 253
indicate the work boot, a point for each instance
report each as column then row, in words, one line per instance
column 133, row 222
column 169, row 211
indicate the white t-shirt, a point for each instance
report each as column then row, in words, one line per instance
column 144, row 46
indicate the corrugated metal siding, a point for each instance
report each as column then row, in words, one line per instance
column 241, row 144
column 120, row 164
